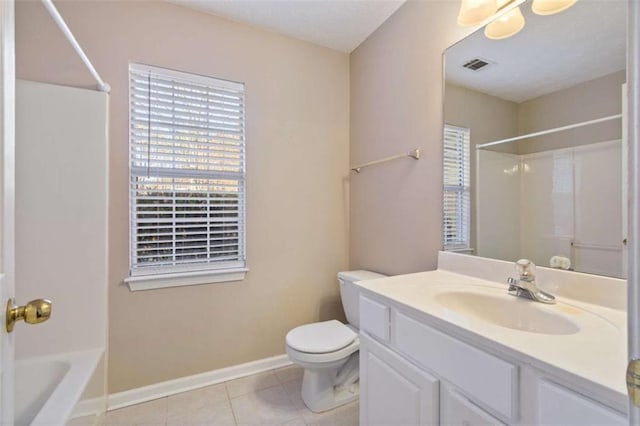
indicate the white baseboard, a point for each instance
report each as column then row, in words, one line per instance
column 183, row 384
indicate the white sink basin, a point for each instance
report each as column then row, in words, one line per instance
column 508, row 311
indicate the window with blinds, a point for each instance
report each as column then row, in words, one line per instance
column 456, row 188
column 187, row 172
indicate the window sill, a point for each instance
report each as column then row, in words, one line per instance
column 150, row 282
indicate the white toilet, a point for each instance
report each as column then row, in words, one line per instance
column 328, row 350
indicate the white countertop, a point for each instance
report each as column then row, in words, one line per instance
column 597, row 353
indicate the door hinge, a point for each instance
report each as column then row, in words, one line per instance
column 633, row 382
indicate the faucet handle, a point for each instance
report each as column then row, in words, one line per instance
column 525, row 268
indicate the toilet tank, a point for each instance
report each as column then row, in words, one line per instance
column 350, row 294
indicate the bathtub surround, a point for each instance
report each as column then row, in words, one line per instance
column 297, row 161
column 71, row 181
column 49, row 387
column 61, row 244
column 396, row 105
column 588, row 207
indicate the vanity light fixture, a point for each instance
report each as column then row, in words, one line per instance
column 550, row 7
column 505, row 26
column 474, row 12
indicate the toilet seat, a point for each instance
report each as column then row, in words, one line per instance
column 323, row 358
column 320, row 337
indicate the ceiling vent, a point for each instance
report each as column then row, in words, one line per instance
column 477, row 64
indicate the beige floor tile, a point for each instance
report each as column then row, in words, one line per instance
column 87, row 421
column 150, row 413
column 259, row 400
column 214, row 414
column 295, row 422
column 198, row 398
column 271, row 406
column 250, row 384
column 289, row 373
column 346, row 415
column 293, row 389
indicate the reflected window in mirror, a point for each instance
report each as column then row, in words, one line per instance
column 456, row 189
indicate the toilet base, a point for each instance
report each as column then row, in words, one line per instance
column 328, row 388
column 331, row 400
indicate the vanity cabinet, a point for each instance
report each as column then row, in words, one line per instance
column 413, row 373
column 456, row 409
column 393, row 391
column 559, row 406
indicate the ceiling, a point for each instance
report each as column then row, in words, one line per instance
column 337, row 24
column 551, row 53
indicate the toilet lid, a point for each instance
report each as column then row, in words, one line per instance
column 320, row 337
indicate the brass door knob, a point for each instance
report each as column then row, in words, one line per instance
column 34, row 312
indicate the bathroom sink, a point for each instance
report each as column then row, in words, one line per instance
column 507, row 311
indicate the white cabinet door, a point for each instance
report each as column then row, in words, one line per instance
column 558, row 406
column 456, row 410
column 393, row 391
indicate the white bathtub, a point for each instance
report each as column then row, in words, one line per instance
column 48, row 388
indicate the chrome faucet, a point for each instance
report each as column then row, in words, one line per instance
column 526, row 286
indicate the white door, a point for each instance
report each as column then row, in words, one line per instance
column 7, row 188
column 633, row 232
column 625, row 183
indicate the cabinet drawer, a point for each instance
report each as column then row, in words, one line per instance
column 489, row 380
column 374, row 318
column 456, row 410
column 560, row 406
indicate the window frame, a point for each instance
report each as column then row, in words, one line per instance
column 150, row 277
column 463, row 191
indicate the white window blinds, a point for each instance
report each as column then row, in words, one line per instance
column 187, row 172
column 456, row 190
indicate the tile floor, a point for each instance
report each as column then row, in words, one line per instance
column 269, row 398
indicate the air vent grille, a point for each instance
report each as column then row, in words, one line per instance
column 476, row 64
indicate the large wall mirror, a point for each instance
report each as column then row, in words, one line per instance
column 534, row 150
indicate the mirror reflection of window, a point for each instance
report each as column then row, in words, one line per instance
column 456, row 189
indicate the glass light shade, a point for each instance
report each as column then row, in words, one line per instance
column 505, row 26
column 549, row 7
column 473, row 12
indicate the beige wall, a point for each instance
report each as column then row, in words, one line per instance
column 592, row 99
column 297, row 153
column 489, row 118
column 396, row 105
